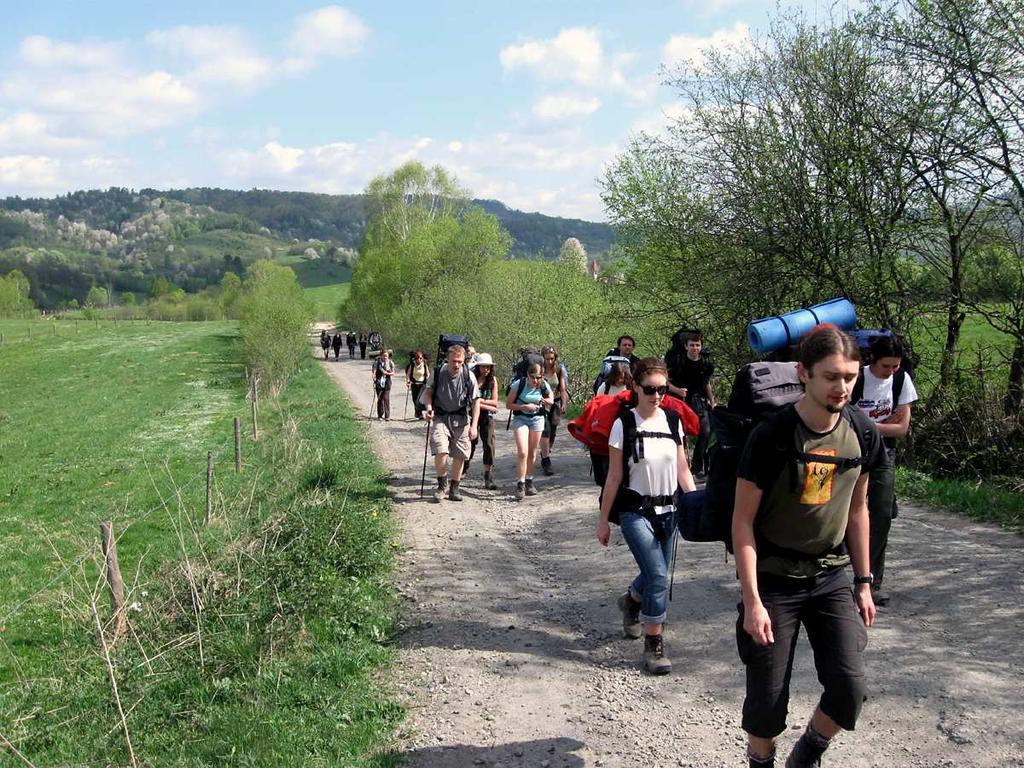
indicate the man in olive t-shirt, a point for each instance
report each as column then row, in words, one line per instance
column 800, row 503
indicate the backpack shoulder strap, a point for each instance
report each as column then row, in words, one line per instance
column 898, row 379
column 858, row 389
column 628, row 440
column 674, row 423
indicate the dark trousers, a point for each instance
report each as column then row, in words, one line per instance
column 485, row 436
column 351, row 350
column 825, row 606
column 384, row 402
column 881, row 511
column 362, row 350
column 417, row 387
column 700, row 450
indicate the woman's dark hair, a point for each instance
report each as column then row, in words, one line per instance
column 619, row 376
column 823, row 340
column 647, row 366
column 886, row 346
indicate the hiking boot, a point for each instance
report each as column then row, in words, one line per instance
column 880, row 598
column 440, row 490
column 545, row 464
column 761, row 762
column 453, row 491
column 520, row 490
column 807, row 751
column 630, row 616
column 654, row 656
column 531, row 489
column 489, row 483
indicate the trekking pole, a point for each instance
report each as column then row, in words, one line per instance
column 405, row 413
column 426, row 445
column 373, row 405
column 675, row 550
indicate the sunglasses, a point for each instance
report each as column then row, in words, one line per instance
column 650, row 389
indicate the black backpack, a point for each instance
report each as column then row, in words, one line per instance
column 761, row 392
column 633, row 450
column 527, row 356
column 445, row 342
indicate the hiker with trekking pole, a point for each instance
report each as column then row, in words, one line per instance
column 555, row 374
column 416, row 374
column 646, row 467
column 487, row 382
column 452, row 406
column 383, row 370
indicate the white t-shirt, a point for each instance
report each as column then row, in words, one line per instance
column 610, row 389
column 656, row 474
column 876, row 402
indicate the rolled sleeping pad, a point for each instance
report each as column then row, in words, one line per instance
column 771, row 333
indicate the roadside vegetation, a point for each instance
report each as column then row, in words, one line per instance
column 257, row 637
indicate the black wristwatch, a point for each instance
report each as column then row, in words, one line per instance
column 869, row 579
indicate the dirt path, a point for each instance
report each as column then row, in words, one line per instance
column 512, row 655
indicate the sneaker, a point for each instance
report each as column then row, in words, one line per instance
column 520, row 490
column 489, row 483
column 453, row 491
column 654, row 656
column 630, row 616
column 531, row 489
column 546, row 466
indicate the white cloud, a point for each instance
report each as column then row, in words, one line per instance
column 687, row 49
column 574, row 54
column 218, row 55
column 332, row 31
column 657, row 123
column 33, row 132
column 29, row 173
column 455, row 146
column 565, row 107
column 40, row 51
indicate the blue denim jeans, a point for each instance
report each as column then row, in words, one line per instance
column 654, row 559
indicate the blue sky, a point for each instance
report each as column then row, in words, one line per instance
column 524, row 101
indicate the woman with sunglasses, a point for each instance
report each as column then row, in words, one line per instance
column 416, row 374
column 555, row 375
column 527, row 400
column 646, row 464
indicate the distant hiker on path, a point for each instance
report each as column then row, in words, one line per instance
column 624, row 347
column 336, row 344
column 646, row 464
column 555, row 374
column 527, row 398
column 350, row 340
column 801, row 504
column 325, row 342
column 382, row 372
column 690, row 379
column 487, row 383
column 362, row 346
column 884, row 392
column 416, row 375
column 453, row 394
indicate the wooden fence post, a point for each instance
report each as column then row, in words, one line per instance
column 76, row 325
column 114, row 580
column 30, row 331
column 209, row 486
column 238, row 444
column 255, row 426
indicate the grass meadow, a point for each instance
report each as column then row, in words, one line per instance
column 256, row 639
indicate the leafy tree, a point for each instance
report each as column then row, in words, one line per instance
column 128, row 298
column 97, row 297
column 14, row 295
column 573, row 254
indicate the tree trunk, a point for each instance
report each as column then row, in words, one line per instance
column 954, row 314
column 1015, row 387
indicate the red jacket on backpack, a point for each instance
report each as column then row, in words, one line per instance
column 593, row 426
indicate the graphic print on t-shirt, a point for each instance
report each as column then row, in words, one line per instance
column 818, row 480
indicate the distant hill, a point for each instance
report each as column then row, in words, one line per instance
column 123, row 239
column 305, row 215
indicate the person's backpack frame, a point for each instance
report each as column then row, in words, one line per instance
column 445, row 342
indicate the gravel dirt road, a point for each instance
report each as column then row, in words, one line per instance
column 512, row 655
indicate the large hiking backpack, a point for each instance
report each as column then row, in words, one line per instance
column 527, row 356
column 445, row 342
column 758, row 391
column 761, row 391
column 606, row 369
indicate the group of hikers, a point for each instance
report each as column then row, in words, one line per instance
column 813, row 493
column 348, row 339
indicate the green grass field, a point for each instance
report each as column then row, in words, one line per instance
column 254, row 640
column 327, row 299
